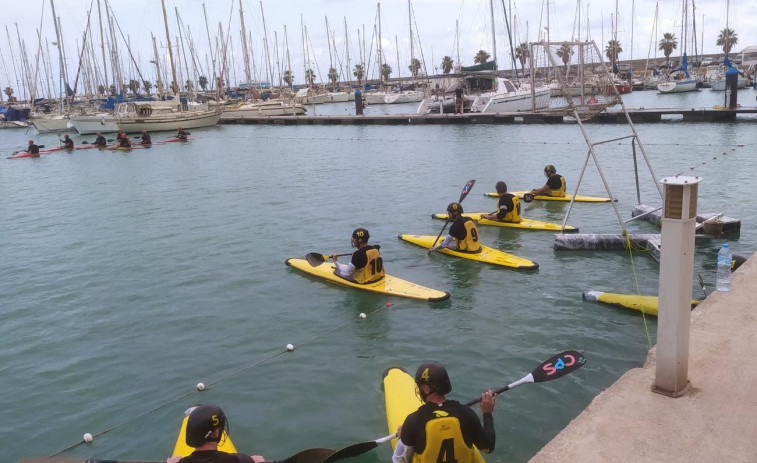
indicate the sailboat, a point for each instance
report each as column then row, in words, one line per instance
column 680, row 81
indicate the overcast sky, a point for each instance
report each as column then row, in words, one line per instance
column 440, row 27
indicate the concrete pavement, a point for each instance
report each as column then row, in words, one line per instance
column 715, row 421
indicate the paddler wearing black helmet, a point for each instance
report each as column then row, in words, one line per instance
column 463, row 233
column 443, row 429
column 555, row 185
column 366, row 265
column 206, row 428
column 508, row 206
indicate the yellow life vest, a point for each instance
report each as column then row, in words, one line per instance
column 514, row 215
column 373, row 270
column 470, row 243
column 445, row 443
column 560, row 192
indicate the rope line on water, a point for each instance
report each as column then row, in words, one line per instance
column 222, row 378
column 631, row 248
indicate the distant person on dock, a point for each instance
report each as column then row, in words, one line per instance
column 182, row 134
column 463, row 234
column 459, row 99
column 442, row 429
column 124, row 141
column 68, row 143
column 508, row 207
column 32, row 149
column 146, row 139
column 366, row 265
column 206, row 427
column 100, row 140
column 555, row 185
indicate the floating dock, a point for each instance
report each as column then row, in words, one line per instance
column 607, row 116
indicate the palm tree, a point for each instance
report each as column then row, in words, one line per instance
column 359, row 73
column 668, row 44
column 101, row 89
column 415, row 66
column 147, row 85
column 481, row 57
column 203, row 81
column 727, row 39
column 333, row 77
column 134, row 86
column 288, row 77
column 386, row 71
column 309, row 76
column 112, row 90
column 612, row 51
column 9, row 91
column 188, row 85
column 447, row 64
column 565, row 52
column 523, row 52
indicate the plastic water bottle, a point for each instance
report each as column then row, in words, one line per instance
column 723, row 279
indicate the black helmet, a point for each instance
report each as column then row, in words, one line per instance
column 435, row 375
column 203, row 421
column 501, row 187
column 361, row 235
column 455, row 208
column 549, row 168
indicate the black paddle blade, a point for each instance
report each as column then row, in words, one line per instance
column 558, row 366
column 528, row 197
column 351, row 451
column 466, row 189
column 315, row 455
column 315, row 258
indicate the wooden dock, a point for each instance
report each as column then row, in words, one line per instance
column 638, row 115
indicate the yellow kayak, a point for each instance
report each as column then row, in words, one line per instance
column 389, row 285
column 637, row 302
column 182, row 449
column 487, row 254
column 567, row 197
column 401, row 400
column 527, row 224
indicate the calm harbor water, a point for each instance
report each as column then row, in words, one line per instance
column 127, row 278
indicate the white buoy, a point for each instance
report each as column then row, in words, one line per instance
column 362, row 315
column 200, row 386
column 88, row 437
column 290, row 347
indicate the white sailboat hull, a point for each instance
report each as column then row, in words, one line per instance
column 50, row 124
column 94, row 123
column 677, row 86
column 519, row 101
column 265, row 109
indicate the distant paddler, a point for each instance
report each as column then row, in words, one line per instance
column 555, row 185
column 100, row 141
column 32, row 149
column 463, row 234
column 182, row 134
column 146, row 139
column 68, row 143
column 124, row 141
column 508, row 206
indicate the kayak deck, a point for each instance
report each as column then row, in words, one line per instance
column 637, row 302
column 526, row 224
column 487, row 254
column 389, row 285
column 401, row 400
column 567, row 197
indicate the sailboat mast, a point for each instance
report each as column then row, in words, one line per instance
column 380, row 47
column 62, row 69
column 246, row 56
column 157, row 65
column 347, row 51
column 174, row 84
column 494, row 37
column 102, row 43
column 265, row 38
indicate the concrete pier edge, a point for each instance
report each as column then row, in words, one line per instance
column 716, row 420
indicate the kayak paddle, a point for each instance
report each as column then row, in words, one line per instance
column 463, row 194
column 316, row 258
column 304, row 456
column 554, row 367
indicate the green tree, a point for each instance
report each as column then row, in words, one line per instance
column 112, row 90
column 447, row 65
column 203, row 81
column 613, row 50
column 288, row 77
column 134, row 86
column 727, row 39
column 189, row 85
column 481, row 57
column 9, row 91
column 522, row 53
column 667, row 44
column 333, row 77
column 359, row 73
column 386, row 71
column 565, row 52
column 309, row 76
column 101, row 89
column 415, row 66
column 147, row 85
